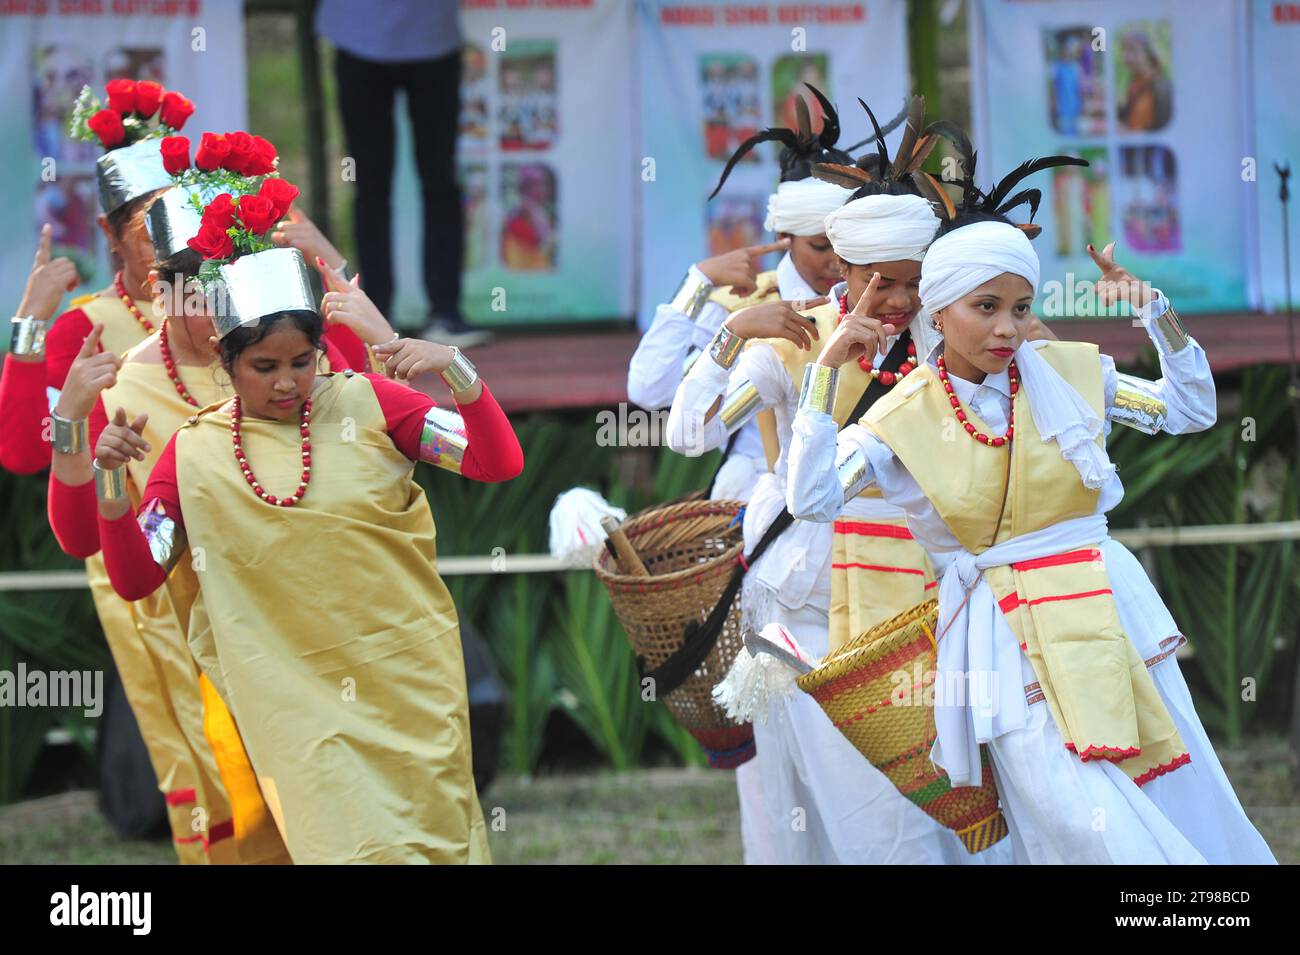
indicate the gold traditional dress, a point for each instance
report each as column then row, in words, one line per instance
column 332, row 637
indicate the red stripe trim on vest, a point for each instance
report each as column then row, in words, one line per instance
column 178, row 797
column 1086, row 556
column 1013, row 600
column 886, row 570
column 873, row 530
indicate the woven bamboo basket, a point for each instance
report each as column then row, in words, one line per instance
column 690, row 550
column 894, row 729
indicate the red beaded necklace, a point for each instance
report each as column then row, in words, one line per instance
column 887, row 378
column 304, row 429
column 170, row 364
column 980, row 436
column 120, row 287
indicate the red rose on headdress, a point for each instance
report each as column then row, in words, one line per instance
column 241, row 151
column 212, row 242
column 257, row 214
column 107, row 125
column 262, row 162
column 148, row 95
column 280, row 193
column 175, row 154
column 213, row 150
column 176, row 109
column 121, row 95
column 220, row 212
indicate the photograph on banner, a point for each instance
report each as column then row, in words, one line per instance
column 731, row 97
column 1115, row 78
column 547, row 164
column 473, row 95
column 527, row 97
column 51, row 179
column 1275, row 43
column 711, row 80
column 1078, row 82
column 1143, row 76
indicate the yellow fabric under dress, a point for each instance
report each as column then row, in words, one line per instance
column 1060, row 607
column 877, row 569
column 332, row 635
column 199, row 731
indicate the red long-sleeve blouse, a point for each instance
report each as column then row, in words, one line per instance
column 492, row 454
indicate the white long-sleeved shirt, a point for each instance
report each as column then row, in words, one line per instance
column 814, row 492
column 657, row 364
column 797, row 567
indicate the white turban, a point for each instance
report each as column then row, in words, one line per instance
column 967, row 257
column 882, row 229
column 800, row 207
column 962, row 261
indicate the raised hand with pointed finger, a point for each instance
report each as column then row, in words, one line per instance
column 858, row 334
column 120, row 442
column 91, row 372
column 49, row 279
column 739, row 267
column 1117, row 283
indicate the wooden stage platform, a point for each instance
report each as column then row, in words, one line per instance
column 577, row 370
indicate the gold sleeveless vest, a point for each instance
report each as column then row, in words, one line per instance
column 1061, row 607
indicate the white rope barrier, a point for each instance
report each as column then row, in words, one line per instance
column 1135, row 537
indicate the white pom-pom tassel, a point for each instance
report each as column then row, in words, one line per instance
column 576, row 534
column 754, row 682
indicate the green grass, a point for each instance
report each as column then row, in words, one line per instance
column 648, row 817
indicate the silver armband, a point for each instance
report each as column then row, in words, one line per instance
column 460, row 375
column 110, row 485
column 166, row 538
column 818, row 391
column 1170, row 329
column 443, row 441
column 691, row 296
column 68, row 436
column 27, row 335
column 851, row 468
column 740, row 404
column 726, row 346
column 1138, row 405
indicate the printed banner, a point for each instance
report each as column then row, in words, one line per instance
column 53, row 50
column 1151, row 93
column 715, row 73
column 1275, row 42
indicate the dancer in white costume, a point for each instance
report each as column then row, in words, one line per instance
column 717, row 286
column 1101, row 757
column 711, row 291
column 825, row 802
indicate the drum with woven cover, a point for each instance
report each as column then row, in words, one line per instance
column 691, row 550
column 893, row 726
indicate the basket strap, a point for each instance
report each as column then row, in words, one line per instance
column 726, row 453
column 700, row 638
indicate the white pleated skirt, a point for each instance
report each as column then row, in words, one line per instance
column 825, row 803
column 1064, row 811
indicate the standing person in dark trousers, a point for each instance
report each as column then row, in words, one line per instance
column 414, row 46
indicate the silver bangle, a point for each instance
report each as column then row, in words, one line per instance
column 1138, row 405
column 691, row 296
column 726, row 346
column 1170, row 329
column 27, row 335
column 739, row 405
column 68, row 436
column 443, row 440
column 851, row 469
column 818, row 391
column 460, row 375
column 110, row 485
